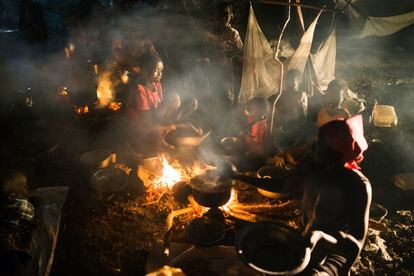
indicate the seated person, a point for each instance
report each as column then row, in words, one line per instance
column 148, row 110
column 336, row 197
column 257, row 138
column 334, row 97
column 146, row 95
column 16, row 222
column 291, row 111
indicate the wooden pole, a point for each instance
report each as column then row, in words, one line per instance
column 276, row 2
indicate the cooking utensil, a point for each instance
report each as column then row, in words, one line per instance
column 272, row 249
column 278, row 175
column 211, row 190
column 377, row 212
column 96, row 159
column 185, row 136
column 109, row 180
column 232, row 144
column 205, row 231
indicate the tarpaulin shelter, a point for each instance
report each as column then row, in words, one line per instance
column 377, row 18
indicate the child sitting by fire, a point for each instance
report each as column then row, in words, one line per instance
column 257, row 138
column 16, row 223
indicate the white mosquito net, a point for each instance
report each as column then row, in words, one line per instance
column 261, row 71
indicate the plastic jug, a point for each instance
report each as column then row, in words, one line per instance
column 384, row 116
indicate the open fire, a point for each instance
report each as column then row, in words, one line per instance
column 105, row 90
column 169, row 175
column 81, row 109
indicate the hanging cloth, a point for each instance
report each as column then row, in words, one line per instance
column 383, row 26
column 324, row 60
column 301, row 54
column 261, row 72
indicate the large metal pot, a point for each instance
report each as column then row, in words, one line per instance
column 186, row 136
column 211, row 190
column 109, row 180
column 279, row 176
column 272, row 249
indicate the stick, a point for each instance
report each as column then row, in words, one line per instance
column 275, row 2
column 281, row 33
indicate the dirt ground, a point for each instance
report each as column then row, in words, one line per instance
column 113, row 237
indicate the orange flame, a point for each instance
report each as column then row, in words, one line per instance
column 124, row 77
column 81, row 109
column 69, row 50
column 231, row 203
column 63, row 91
column 170, row 175
column 104, row 93
column 115, row 106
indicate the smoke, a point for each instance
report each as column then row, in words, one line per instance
column 180, row 39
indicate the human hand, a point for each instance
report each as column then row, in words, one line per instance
column 316, row 236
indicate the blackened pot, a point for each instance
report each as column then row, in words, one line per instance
column 211, row 191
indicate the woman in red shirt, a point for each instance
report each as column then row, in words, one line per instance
column 147, row 93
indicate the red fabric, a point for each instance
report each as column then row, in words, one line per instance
column 143, row 99
column 347, row 138
column 258, row 136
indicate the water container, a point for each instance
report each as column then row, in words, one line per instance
column 384, row 116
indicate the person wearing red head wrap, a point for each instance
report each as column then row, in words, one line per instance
column 337, row 197
column 346, row 139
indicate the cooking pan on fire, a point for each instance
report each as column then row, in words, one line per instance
column 278, row 174
column 211, row 190
column 272, row 249
column 185, row 136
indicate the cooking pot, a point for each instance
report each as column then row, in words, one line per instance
column 185, row 136
column 272, row 249
column 151, row 164
column 211, row 190
column 109, row 180
column 278, row 174
column 232, row 144
column 96, row 159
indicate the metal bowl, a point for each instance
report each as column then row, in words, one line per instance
column 232, row 144
column 188, row 136
column 276, row 173
column 109, row 180
column 272, row 249
column 96, row 159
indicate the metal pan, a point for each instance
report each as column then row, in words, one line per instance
column 272, row 249
column 210, row 190
column 109, row 180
